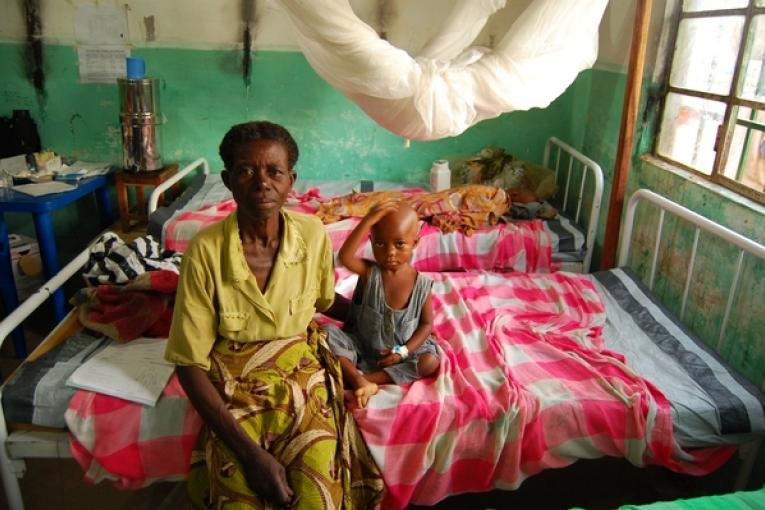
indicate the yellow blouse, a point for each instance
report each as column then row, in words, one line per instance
column 218, row 296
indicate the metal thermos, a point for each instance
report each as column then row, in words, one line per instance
column 140, row 119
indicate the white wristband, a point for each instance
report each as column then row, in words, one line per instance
column 401, row 350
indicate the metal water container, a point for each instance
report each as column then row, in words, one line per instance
column 140, row 119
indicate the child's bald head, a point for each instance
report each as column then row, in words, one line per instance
column 403, row 219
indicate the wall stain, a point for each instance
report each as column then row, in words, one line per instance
column 149, row 28
column 386, row 13
column 249, row 8
column 34, row 47
column 73, row 118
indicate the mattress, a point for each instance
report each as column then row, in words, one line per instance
column 35, row 394
column 711, row 403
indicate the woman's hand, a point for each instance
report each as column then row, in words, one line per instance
column 267, row 478
column 388, row 358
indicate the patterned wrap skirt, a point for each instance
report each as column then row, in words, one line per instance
column 287, row 395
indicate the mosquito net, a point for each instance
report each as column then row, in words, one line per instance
column 450, row 85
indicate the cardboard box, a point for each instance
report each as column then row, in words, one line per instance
column 26, row 264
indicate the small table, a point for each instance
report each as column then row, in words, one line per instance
column 154, row 178
column 41, row 208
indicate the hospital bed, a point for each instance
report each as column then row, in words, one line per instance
column 569, row 237
column 497, row 331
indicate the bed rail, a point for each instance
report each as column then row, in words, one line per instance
column 589, row 167
column 748, row 452
column 183, row 172
column 11, row 468
column 744, row 244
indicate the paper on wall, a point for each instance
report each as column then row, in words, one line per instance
column 100, row 25
column 102, row 64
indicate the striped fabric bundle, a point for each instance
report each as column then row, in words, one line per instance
column 114, row 261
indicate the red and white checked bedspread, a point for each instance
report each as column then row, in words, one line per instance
column 132, row 444
column 520, row 246
column 524, row 385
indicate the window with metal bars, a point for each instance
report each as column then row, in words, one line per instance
column 713, row 109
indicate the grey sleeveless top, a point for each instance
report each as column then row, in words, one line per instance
column 377, row 325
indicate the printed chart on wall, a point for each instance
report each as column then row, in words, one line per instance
column 101, row 34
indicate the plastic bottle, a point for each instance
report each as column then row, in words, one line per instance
column 440, row 175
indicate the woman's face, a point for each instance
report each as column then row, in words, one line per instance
column 260, row 177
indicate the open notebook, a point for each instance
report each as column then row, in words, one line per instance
column 133, row 371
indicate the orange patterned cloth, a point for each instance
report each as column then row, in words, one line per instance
column 464, row 208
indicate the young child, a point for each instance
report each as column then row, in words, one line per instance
column 387, row 336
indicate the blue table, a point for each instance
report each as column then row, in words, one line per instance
column 41, row 208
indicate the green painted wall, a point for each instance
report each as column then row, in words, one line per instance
column 714, row 268
column 203, row 94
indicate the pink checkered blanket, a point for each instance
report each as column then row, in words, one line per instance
column 131, row 444
column 523, row 246
column 525, row 384
column 518, row 246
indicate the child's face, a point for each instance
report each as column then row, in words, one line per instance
column 393, row 242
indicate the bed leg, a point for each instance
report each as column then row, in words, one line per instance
column 747, row 452
column 10, row 470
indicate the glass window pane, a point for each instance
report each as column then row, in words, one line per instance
column 753, row 75
column 746, row 159
column 705, row 53
column 710, row 5
column 688, row 130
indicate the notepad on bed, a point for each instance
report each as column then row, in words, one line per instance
column 135, row 371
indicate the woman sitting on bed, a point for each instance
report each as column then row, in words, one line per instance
column 252, row 363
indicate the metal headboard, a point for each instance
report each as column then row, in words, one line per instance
column 744, row 244
column 589, row 167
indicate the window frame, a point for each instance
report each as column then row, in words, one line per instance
column 730, row 100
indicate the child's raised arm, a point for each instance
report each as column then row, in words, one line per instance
column 347, row 253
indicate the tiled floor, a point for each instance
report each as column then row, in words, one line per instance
column 594, row 485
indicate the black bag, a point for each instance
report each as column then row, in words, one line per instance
column 18, row 134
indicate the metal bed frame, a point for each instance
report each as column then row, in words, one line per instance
column 589, row 167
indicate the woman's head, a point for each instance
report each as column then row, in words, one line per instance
column 395, row 236
column 242, row 134
column 258, row 158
